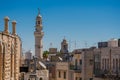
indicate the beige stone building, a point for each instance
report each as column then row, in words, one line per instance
column 81, row 67
column 76, row 67
column 10, row 50
column 34, row 70
column 62, row 71
column 107, row 61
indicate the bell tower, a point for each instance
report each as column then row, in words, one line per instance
column 38, row 33
column 64, row 46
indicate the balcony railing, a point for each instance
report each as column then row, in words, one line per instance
column 76, row 68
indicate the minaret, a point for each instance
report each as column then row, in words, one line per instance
column 38, row 33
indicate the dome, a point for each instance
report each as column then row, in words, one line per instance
column 39, row 16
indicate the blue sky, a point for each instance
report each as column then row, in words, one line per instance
column 80, row 21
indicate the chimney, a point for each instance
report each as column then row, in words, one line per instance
column 14, row 27
column 6, row 19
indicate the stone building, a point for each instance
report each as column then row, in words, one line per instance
column 81, row 66
column 107, row 61
column 28, row 55
column 75, row 67
column 10, row 50
column 62, row 71
column 34, row 70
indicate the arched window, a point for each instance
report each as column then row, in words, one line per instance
column 38, row 22
column 41, row 79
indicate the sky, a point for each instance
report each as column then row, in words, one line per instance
column 82, row 23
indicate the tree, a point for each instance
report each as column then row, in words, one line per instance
column 45, row 54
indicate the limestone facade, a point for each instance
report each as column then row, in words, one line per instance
column 62, row 71
column 10, row 50
column 108, row 60
column 81, row 67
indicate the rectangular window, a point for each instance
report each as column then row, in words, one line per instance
column 76, row 63
column 64, row 75
column 59, row 74
column 119, row 64
column 91, row 61
column 80, row 78
column 91, row 79
column 76, row 78
column 80, row 62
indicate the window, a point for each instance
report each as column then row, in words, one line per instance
column 91, row 62
column 80, row 62
column 80, row 78
column 105, row 64
column 113, row 64
column 59, row 74
column 38, row 22
column 116, row 64
column 76, row 78
column 41, row 79
column 76, row 63
column 119, row 64
column 64, row 75
column 91, row 79
column 102, row 63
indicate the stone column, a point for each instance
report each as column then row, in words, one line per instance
column 14, row 27
column 6, row 19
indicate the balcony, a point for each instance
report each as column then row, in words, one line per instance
column 76, row 68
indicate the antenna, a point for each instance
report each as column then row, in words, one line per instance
column 69, row 45
column 38, row 10
column 51, row 45
column 64, row 37
column 75, row 44
column 86, row 44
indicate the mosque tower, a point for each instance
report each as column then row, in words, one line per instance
column 38, row 33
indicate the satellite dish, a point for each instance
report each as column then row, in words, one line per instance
column 42, row 65
column 60, row 58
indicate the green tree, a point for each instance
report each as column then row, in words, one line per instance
column 45, row 54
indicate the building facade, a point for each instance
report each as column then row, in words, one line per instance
column 81, row 67
column 62, row 71
column 107, row 61
column 10, row 50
